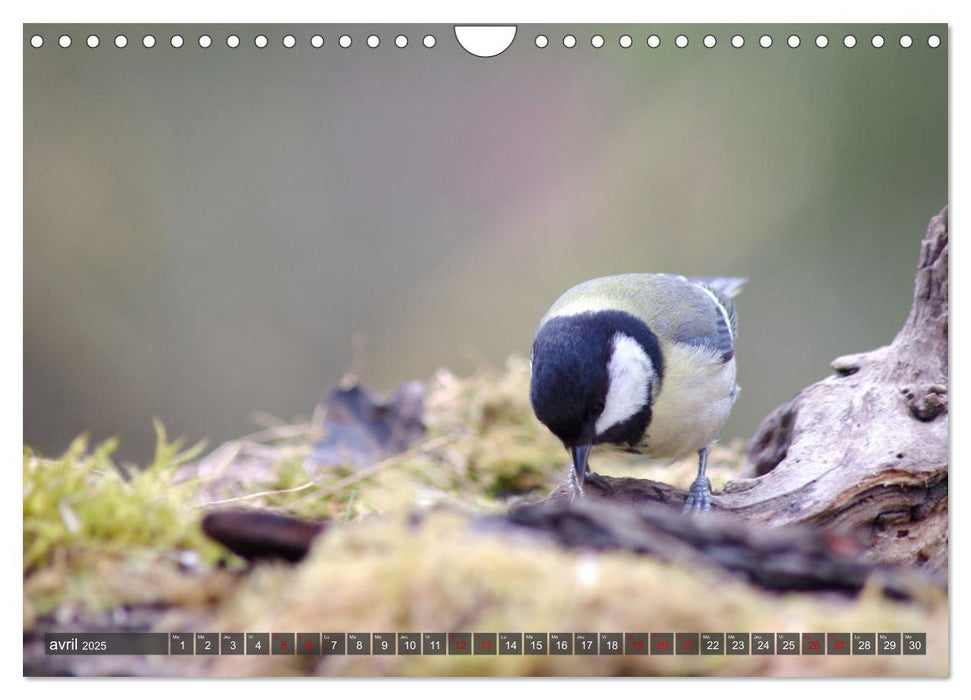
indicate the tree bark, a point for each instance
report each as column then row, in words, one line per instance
column 866, row 449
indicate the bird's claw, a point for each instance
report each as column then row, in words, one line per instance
column 699, row 497
column 596, row 480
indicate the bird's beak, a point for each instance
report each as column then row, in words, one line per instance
column 580, row 453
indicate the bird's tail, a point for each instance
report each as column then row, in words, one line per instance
column 728, row 286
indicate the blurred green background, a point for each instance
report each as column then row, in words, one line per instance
column 209, row 232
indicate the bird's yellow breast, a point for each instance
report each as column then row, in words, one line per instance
column 694, row 403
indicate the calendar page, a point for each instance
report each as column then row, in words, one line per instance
column 485, row 350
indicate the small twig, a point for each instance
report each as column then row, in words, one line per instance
column 265, row 419
column 350, row 502
column 353, row 478
column 388, row 462
column 278, row 432
column 221, row 465
column 256, row 495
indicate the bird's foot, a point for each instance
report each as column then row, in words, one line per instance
column 699, row 497
column 599, row 481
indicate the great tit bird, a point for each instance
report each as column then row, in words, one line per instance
column 642, row 362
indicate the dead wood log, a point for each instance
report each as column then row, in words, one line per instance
column 792, row 558
column 866, row 449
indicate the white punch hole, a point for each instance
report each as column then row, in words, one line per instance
column 709, row 41
column 205, row 41
column 822, row 41
column 569, row 41
column 849, row 41
column 316, row 41
column 793, row 41
column 148, row 41
column 597, row 41
column 933, row 41
column 765, row 41
column 64, row 41
column 374, row 41
column 541, row 41
column 654, row 41
column 625, row 41
column 428, row 41
column 401, row 41
column 93, row 41
column 289, row 41
column 37, row 41
column 906, row 42
column 681, row 41
column 344, row 41
column 261, row 41
column 121, row 41
column 877, row 41
column 738, row 41
column 485, row 41
column 232, row 41
column 177, row 41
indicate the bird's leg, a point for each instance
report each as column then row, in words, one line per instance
column 580, row 453
column 699, row 495
column 588, row 477
column 576, row 484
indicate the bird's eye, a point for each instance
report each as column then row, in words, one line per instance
column 598, row 407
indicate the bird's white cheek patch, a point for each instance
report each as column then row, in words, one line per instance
column 631, row 372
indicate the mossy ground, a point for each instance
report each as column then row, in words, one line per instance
column 99, row 546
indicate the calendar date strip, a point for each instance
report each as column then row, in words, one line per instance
column 485, row 643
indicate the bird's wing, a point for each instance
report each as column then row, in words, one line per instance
column 691, row 312
column 725, row 289
column 696, row 312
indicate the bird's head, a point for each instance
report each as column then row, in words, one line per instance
column 595, row 376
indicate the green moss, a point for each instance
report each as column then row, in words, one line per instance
column 81, row 512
